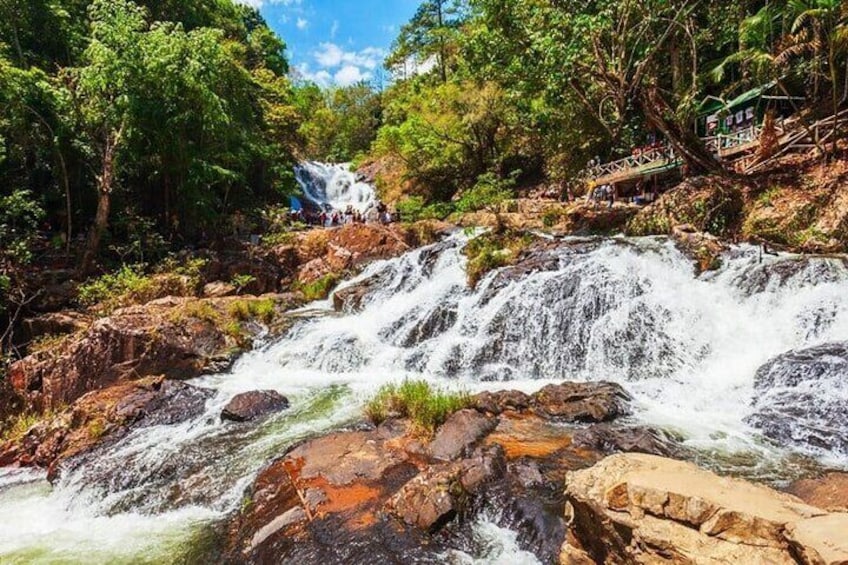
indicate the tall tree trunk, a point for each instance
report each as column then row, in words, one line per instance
column 105, row 182
column 69, row 231
column 442, row 51
column 687, row 145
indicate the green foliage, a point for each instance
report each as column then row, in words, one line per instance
column 131, row 285
column 488, row 192
column 16, row 428
column 179, row 112
column 413, row 209
column 244, row 310
column 426, row 406
column 339, row 124
column 318, row 289
column 242, row 281
column 491, row 251
column 19, row 221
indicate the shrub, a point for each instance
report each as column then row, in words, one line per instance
column 130, row 285
column 410, row 208
column 490, row 190
column 426, row 406
column 552, row 217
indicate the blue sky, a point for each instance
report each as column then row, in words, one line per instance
column 336, row 41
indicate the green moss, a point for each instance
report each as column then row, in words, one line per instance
column 427, row 407
column 243, row 310
column 318, row 289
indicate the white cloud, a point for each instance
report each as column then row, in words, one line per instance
column 330, row 55
column 335, row 29
column 350, row 74
column 302, row 23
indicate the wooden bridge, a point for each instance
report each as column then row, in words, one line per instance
column 738, row 149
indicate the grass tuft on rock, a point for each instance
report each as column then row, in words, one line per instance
column 493, row 250
column 426, row 406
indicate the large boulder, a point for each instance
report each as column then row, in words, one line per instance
column 638, row 508
column 330, row 252
column 704, row 249
column 179, row 338
column 252, row 405
column 800, row 398
column 581, row 402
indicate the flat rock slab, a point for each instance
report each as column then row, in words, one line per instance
column 251, row 405
column 631, row 505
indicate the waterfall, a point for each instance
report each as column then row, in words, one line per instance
column 334, row 187
column 686, row 347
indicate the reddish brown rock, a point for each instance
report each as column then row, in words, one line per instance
column 326, row 252
column 581, row 402
column 501, row 401
column 435, row 496
column 251, row 405
column 459, row 433
column 829, row 492
column 180, row 338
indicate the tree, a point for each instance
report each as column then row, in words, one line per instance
column 430, row 35
column 820, row 27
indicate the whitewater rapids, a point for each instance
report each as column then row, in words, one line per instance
column 685, row 347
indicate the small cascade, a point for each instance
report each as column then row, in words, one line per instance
column 334, row 187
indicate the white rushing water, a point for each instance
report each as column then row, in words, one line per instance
column 334, row 186
column 630, row 311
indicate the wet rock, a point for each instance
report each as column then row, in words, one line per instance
column 252, row 405
column 581, row 402
column 351, row 297
column 103, row 416
column 800, row 398
column 501, row 401
column 609, row 439
column 704, row 249
column 648, row 509
column 829, row 492
column 459, row 433
column 341, row 481
column 438, row 494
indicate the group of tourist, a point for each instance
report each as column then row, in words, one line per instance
column 376, row 214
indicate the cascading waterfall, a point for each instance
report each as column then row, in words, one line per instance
column 334, row 186
column 628, row 310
